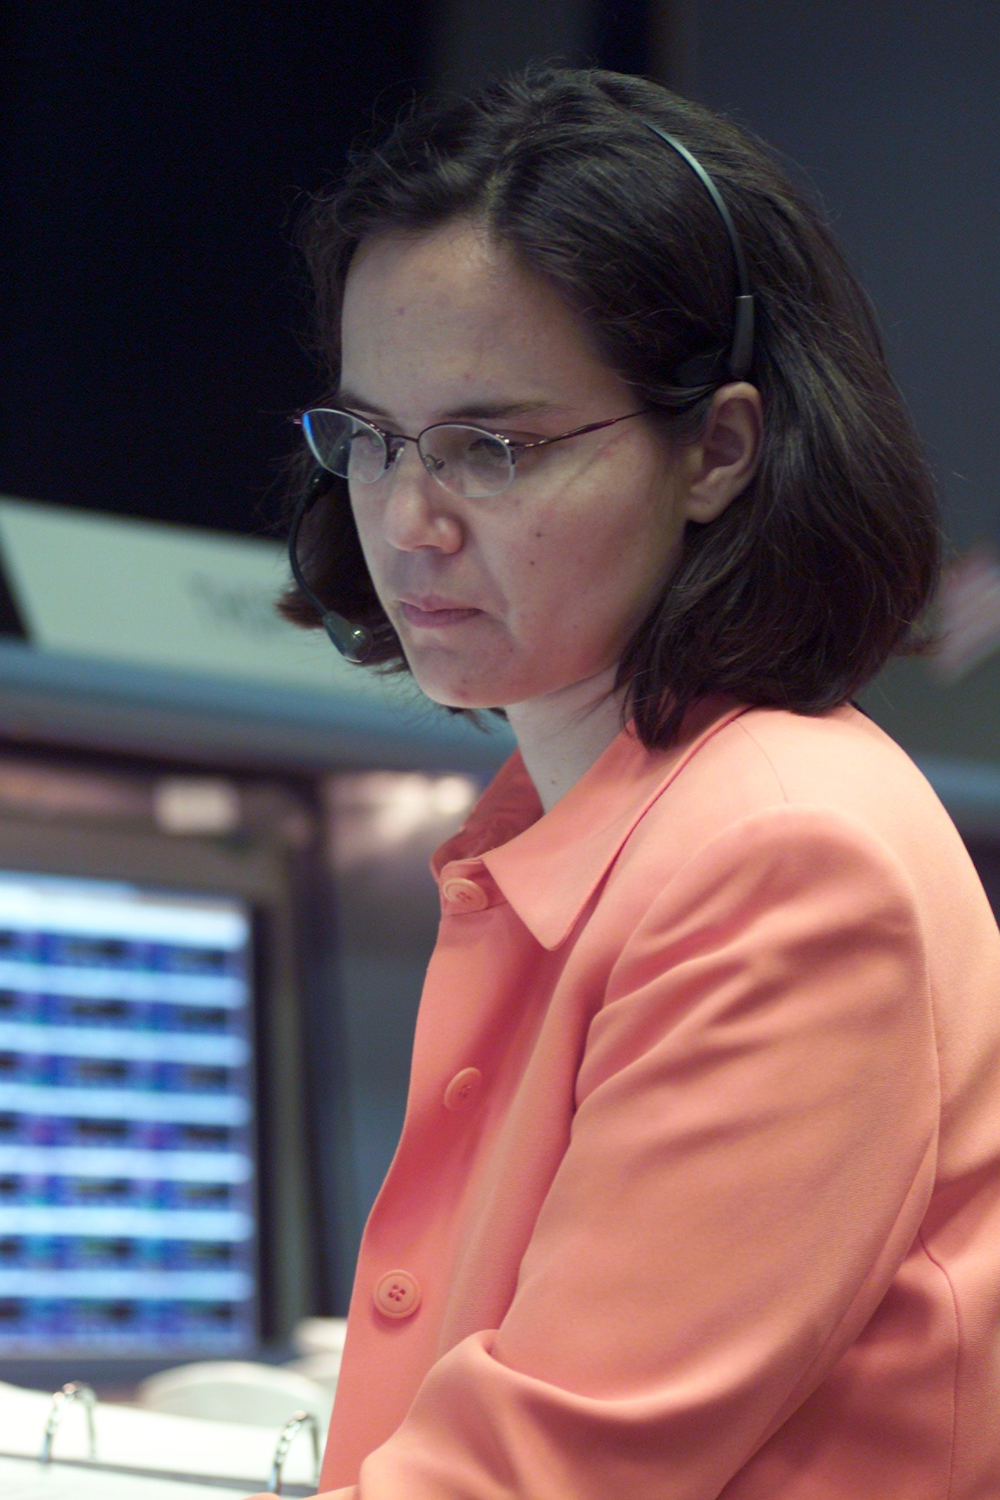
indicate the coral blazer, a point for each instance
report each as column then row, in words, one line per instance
column 698, row 1193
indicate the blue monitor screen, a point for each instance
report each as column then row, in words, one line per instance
column 128, row 1194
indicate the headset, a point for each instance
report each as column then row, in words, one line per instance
column 693, row 372
column 695, row 376
column 354, row 642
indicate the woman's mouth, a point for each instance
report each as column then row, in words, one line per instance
column 434, row 614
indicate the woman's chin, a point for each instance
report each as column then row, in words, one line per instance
column 450, row 696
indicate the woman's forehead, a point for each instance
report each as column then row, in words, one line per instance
column 455, row 309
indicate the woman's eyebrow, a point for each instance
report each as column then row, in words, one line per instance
column 353, row 402
column 482, row 411
column 502, row 411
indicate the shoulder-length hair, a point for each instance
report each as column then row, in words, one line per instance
column 799, row 591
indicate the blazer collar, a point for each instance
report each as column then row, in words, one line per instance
column 548, row 866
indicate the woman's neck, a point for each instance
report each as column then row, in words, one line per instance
column 561, row 735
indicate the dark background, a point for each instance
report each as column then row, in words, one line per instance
column 153, row 159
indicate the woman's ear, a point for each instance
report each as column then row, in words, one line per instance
column 724, row 458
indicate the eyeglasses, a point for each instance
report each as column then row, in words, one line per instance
column 468, row 461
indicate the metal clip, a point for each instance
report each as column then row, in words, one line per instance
column 74, row 1391
column 292, row 1427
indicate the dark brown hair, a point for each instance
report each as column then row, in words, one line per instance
column 800, row 590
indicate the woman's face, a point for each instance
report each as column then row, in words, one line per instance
column 535, row 591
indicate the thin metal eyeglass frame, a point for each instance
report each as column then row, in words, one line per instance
column 392, row 442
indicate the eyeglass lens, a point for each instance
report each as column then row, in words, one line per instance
column 468, row 461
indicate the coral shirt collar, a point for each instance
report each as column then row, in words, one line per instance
column 547, row 866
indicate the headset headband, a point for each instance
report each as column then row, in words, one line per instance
column 741, row 348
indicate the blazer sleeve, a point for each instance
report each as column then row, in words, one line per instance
column 752, row 1153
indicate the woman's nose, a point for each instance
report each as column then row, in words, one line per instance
column 418, row 511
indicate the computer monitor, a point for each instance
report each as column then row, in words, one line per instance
column 129, row 1204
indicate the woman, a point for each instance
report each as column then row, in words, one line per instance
column 698, row 1189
